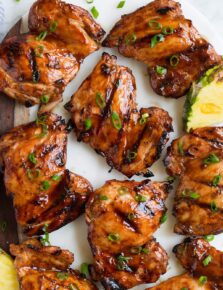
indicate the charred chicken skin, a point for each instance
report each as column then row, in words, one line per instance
column 122, row 217
column 43, row 191
column 42, row 268
column 159, row 36
column 197, row 159
column 105, row 115
column 36, row 67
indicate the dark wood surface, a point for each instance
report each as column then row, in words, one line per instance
column 8, row 226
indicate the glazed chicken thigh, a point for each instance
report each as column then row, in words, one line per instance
column 36, row 67
column 46, row 268
column 105, row 115
column 159, row 36
column 122, row 217
column 197, row 159
column 44, row 192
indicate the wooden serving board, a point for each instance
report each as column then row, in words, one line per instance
column 11, row 114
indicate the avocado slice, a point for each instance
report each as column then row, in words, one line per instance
column 204, row 102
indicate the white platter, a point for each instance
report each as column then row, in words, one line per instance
column 84, row 161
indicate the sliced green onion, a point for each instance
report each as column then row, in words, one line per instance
column 62, row 276
column 202, row 280
column 174, row 60
column 180, row 148
column 84, row 269
column 161, row 70
column 74, row 287
column 39, row 51
column 121, row 4
column 44, row 99
column 116, row 121
column 44, row 131
column 212, row 158
column 194, row 195
column 216, row 180
column 45, row 239
column 130, row 39
column 164, row 218
column 209, row 238
column 143, row 119
column 89, row 1
column 53, row 26
column 214, row 207
column 32, row 158
column 45, row 185
column 207, row 260
column 131, row 155
column 122, row 262
column 140, row 198
column 42, row 35
column 41, row 120
column 100, row 100
column 167, row 30
column 156, row 39
column 113, row 237
column 138, row 250
column 56, row 177
column 87, row 124
column 155, row 24
column 184, row 288
column 131, row 216
column 94, row 12
column 123, row 190
column 103, row 197
column 33, row 174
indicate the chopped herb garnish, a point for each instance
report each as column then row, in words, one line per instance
column 39, row 51
column 184, row 288
column 214, row 207
column 143, row 118
column 167, row 30
column 131, row 216
column 84, row 269
column 56, row 177
column 116, row 121
column 207, row 260
column 32, row 158
column 3, row 226
column 44, row 99
column 131, row 156
column 122, row 262
column 202, row 280
column 216, row 180
column 139, row 250
column 44, row 131
column 42, row 35
column 123, row 190
column 41, row 120
column 33, row 173
column 45, row 239
column 130, row 39
column 163, row 218
column 155, row 24
column 74, row 287
column 194, row 195
column 161, row 70
column 62, row 276
column 103, row 197
column 87, row 124
column 113, row 237
column 89, row 1
column 45, row 185
column 100, row 100
column 180, row 148
column 53, row 26
column 121, row 4
column 170, row 179
column 140, row 198
column 94, row 12
column 212, row 158
column 174, row 60
column 156, row 39
column 209, row 238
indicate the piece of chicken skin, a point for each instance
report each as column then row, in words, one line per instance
column 133, row 36
column 122, row 217
column 43, row 191
column 43, row 268
column 199, row 258
column 130, row 140
column 197, row 159
column 36, row 67
column 183, row 282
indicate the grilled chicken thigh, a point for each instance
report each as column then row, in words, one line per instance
column 159, row 36
column 122, row 217
column 45, row 268
column 197, row 159
column 36, row 67
column 44, row 193
column 105, row 115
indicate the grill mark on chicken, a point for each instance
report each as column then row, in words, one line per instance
column 116, row 129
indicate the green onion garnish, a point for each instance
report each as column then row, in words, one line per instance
column 202, row 280
column 53, row 26
column 212, row 158
column 100, row 100
column 130, row 39
column 155, row 24
column 89, row 1
column 207, row 260
column 161, row 70
column 131, row 216
column 44, row 131
column 62, row 276
column 103, row 197
column 87, row 124
column 143, row 119
column 167, row 30
column 44, row 99
column 163, row 218
column 216, row 180
column 113, row 237
column 116, row 121
column 180, row 148
column 39, row 51
column 156, row 39
column 123, row 190
column 139, row 250
column 121, row 4
column 73, row 287
column 94, row 12
column 32, row 158
column 131, row 156
column 209, row 238
column 56, row 177
column 33, row 173
column 194, row 195
column 45, row 185
column 42, row 35
column 214, row 207
column 174, row 60
column 45, row 239
column 84, row 269
column 140, row 198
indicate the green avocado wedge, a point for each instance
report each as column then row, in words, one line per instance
column 204, row 102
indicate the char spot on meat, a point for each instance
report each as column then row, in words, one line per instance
column 111, row 284
column 59, row 159
column 164, row 10
column 105, row 69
